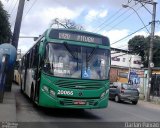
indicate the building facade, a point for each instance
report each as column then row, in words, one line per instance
column 122, row 63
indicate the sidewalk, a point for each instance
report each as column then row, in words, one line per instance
column 151, row 104
column 8, row 107
column 154, row 102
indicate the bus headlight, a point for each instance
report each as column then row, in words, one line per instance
column 45, row 88
column 52, row 93
column 103, row 94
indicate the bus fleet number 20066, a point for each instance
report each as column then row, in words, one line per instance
column 64, row 92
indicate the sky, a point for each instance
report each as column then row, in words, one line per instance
column 106, row 17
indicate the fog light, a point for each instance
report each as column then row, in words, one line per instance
column 45, row 88
column 52, row 93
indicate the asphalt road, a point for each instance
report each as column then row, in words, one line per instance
column 116, row 112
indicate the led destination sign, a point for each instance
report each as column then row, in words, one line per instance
column 78, row 36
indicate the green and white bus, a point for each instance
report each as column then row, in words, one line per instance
column 67, row 69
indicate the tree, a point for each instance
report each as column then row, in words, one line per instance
column 156, row 51
column 140, row 45
column 66, row 23
column 5, row 28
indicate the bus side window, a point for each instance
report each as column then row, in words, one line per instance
column 26, row 65
column 35, row 56
column 23, row 63
column 28, row 60
column 20, row 66
column 32, row 57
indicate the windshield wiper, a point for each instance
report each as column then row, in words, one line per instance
column 70, row 51
column 91, row 54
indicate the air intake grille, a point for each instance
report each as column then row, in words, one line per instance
column 79, row 84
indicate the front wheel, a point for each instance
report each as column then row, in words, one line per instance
column 135, row 102
column 117, row 99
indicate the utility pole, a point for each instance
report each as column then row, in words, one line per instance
column 18, row 23
column 150, row 62
column 14, row 42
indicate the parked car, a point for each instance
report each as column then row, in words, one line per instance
column 123, row 92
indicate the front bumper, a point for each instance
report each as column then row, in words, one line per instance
column 46, row 100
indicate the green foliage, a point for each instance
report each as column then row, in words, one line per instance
column 140, row 45
column 5, row 28
column 156, row 51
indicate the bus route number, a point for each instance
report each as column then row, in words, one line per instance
column 64, row 92
column 64, row 36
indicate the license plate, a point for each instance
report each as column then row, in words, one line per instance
column 79, row 102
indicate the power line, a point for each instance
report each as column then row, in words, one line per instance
column 13, row 7
column 13, row 21
column 122, row 46
column 9, row 6
column 120, row 22
column 115, row 19
column 126, row 44
column 144, row 48
column 26, row 13
column 108, row 19
column 126, row 19
column 95, row 18
column 11, row 14
column 34, row 4
column 30, row 8
column 130, row 34
column 112, row 21
column 125, row 6
column 143, row 4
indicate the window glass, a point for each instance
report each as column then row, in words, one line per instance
column 65, row 60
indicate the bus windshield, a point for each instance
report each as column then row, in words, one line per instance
column 72, row 61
